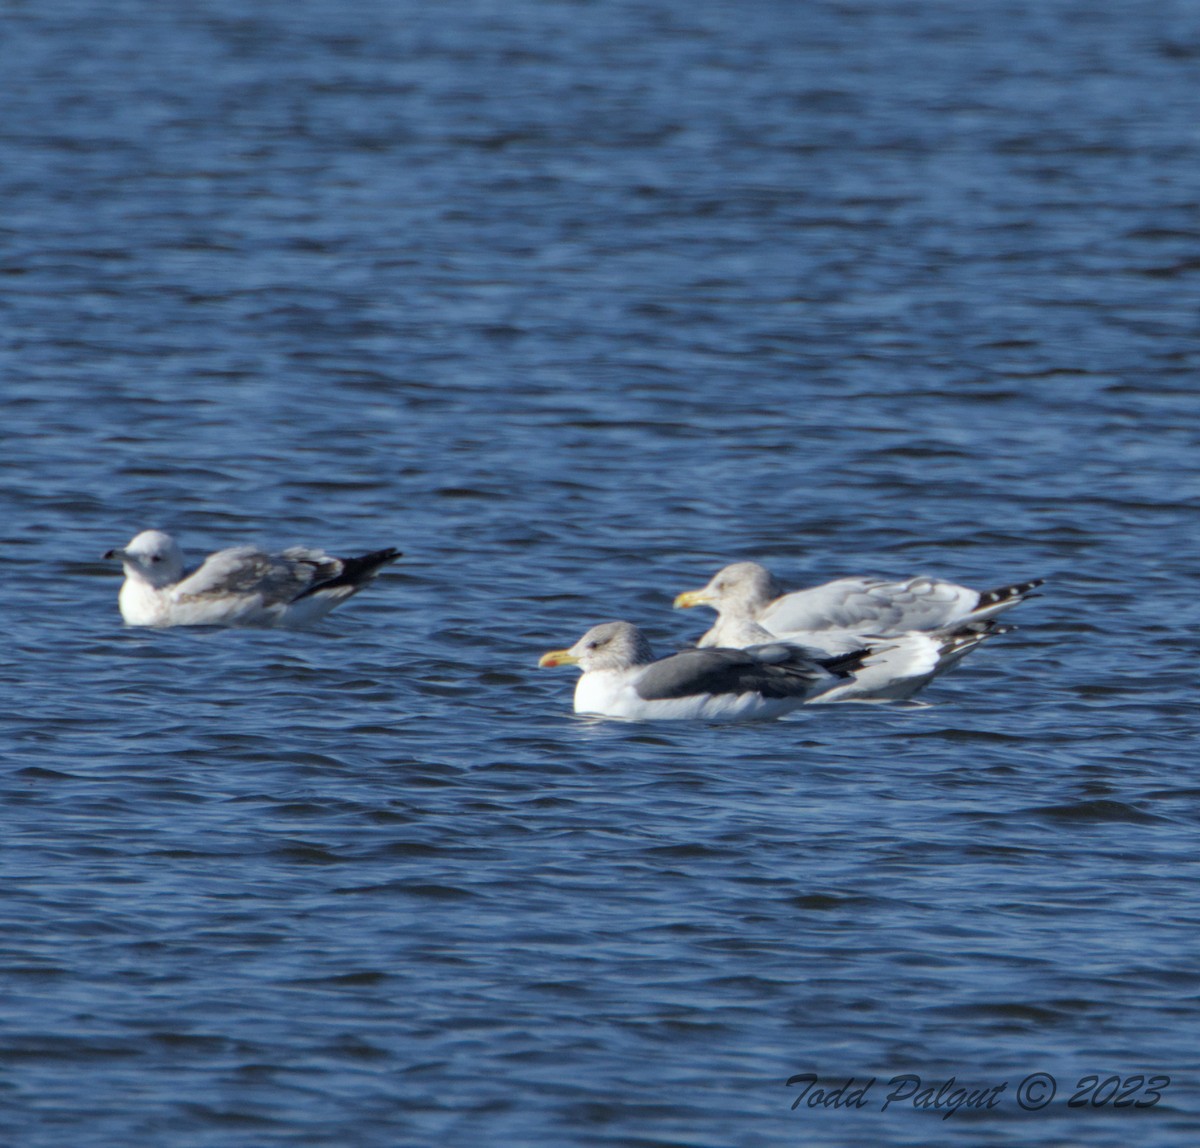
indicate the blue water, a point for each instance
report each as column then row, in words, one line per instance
column 575, row 302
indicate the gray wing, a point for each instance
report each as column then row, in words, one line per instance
column 721, row 671
column 244, row 570
column 871, row 604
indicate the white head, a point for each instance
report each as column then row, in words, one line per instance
column 740, row 590
column 609, row 646
column 152, row 557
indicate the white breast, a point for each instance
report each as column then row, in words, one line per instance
column 141, row 604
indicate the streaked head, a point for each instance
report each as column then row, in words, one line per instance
column 152, row 556
column 742, row 589
column 608, row 646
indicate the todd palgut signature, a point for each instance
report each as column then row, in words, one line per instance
column 1032, row 1093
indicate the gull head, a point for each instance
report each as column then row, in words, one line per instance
column 609, row 646
column 152, row 557
column 739, row 590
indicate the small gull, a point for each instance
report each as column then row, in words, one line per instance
column 843, row 610
column 241, row 586
column 621, row 677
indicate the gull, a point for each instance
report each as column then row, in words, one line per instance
column 897, row 667
column 621, row 677
column 844, row 610
column 241, row 586
column 891, row 668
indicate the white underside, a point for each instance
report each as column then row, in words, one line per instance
column 142, row 605
column 611, row 693
column 898, row 668
column 894, row 672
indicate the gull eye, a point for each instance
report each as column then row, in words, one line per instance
column 155, row 557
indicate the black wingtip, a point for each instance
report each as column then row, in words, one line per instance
column 1006, row 593
column 844, row 665
column 356, row 572
column 379, row 557
column 363, row 567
